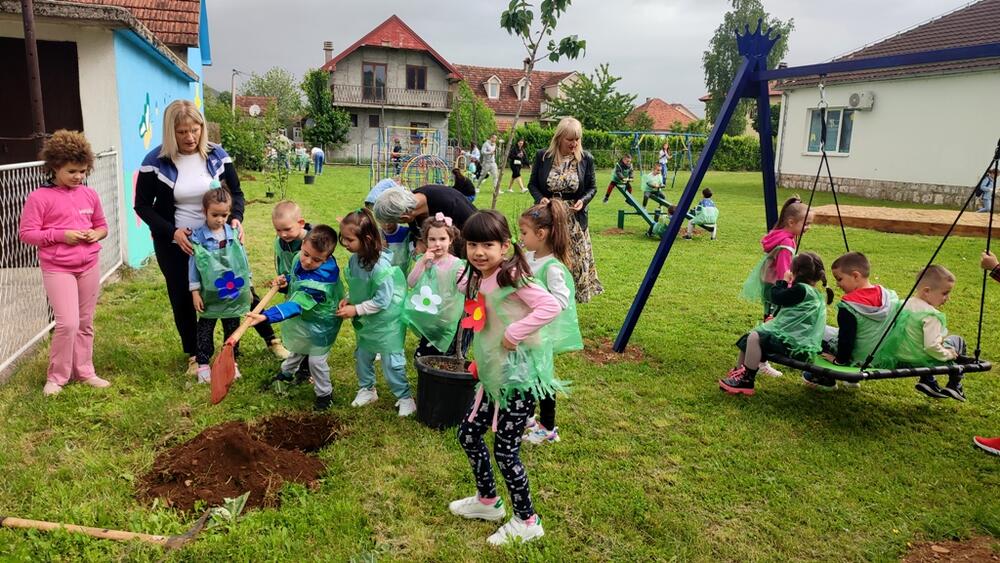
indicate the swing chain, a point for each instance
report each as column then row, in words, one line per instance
column 822, row 97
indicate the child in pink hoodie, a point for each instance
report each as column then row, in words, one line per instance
column 779, row 249
column 65, row 221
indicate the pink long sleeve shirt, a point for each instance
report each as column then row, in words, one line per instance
column 544, row 308
column 48, row 213
column 445, row 262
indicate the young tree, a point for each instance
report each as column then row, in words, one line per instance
column 518, row 20
column 325, row 124
column 595, row 101
column 279, row 84
column 722, row 59
column 471, row 119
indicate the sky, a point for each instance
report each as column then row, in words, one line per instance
column 655, row 46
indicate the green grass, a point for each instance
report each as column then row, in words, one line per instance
column 655, row 462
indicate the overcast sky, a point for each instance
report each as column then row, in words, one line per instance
column 654, row 45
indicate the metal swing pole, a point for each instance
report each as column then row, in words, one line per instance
column 989, row 240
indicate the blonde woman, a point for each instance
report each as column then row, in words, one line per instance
column 566, row 171
column 172, row 180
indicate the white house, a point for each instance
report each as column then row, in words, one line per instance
column 921, row 133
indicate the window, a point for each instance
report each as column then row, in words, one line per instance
column 839, row 128
column 523, row 89
column 354, row 120
column 416, row 77
column 493, row 88
column 373, row 82
column 373, row 120
column 296, row 133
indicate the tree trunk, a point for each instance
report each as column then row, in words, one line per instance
column 510, row 138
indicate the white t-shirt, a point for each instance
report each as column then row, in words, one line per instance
column 489, row 152
column 555, row 280
column 193, row 181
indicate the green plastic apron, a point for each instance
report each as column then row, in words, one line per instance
column 225, row 280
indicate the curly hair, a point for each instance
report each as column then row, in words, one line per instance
column 67, row 147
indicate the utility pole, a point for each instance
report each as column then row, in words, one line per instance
column 232, row 91
column 34, row 75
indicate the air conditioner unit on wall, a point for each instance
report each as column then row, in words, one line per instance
column 861, row 101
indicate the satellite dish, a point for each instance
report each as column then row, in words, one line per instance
column 254, row 110
column 310, row 123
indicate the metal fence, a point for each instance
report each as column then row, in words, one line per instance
column 25, row 316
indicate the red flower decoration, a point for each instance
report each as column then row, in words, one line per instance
column 475, row 310
column 474, row 370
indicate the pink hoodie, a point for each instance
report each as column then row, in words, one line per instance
column 48, row 213
column 783, row 260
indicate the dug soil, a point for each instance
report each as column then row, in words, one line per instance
column 229, row 459
column 446, row 363
column 982, row 549
column 601, row 352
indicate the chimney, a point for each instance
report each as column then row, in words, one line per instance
column 327, row 51
column 782, row 64
column 648, row 100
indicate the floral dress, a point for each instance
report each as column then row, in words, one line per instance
column 564, row 179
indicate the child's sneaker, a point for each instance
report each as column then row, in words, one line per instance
column 323, row 402
column 531, row 424
column 766, row 369
column 236, row 372
column 540, row 435
column 192, row 369
column 471, row 507
column 988, row 445
column 738, row 381
column 929, row 386
column 851, row 384
column 818, row 381
column 954, row 390
column 364, row 397
column 517, row 530
column 96, row 382
column 204, row 374
column 51, row 388
column 406, row 406
column 278, row 349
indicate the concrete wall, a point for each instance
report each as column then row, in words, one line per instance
column 926, row 140
column 396, row 60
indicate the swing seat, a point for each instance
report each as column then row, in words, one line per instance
column 855, row 374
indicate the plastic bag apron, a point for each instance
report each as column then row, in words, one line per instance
column 313, row 332
column 564, row 331
column 225, row 280
column 905, row 343
column 284, row 260
column 801, row 326
column 434, row 306
column 382, row 332
column 753, row 287
column 869, row 330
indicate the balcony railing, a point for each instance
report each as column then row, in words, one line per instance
column 347, row 94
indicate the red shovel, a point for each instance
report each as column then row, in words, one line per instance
column 224, row 366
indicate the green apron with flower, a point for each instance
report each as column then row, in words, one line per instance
column 869, row 330
column 904, row 345
column 564, row 331
column 527, row 369
column 753, row 287
column 313, row 332
column 225, row 280
column 800, row 327
column 382, row 332
column 284, row 260
column 434, row 306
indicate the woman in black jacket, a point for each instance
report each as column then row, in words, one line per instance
column 172, row 180
column 565, row 171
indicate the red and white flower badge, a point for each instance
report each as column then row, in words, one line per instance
column 475, row 311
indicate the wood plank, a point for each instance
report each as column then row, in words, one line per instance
column 907, row 221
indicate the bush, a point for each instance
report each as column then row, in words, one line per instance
column 243, row 137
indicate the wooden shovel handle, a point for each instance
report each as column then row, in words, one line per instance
column 103, row 533
column 235, row 337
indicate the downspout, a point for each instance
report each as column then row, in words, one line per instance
column 34, row 75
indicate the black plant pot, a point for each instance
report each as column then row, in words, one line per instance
column 443, row 396
column 268, row 194
column 309, row 179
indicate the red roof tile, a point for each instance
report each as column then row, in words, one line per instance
column 506, row 104
column 664, row 115
column 975, row 24
column 175, row 22
column 394, row 34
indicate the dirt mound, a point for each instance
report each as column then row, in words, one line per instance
column 614, row 231
column 232, row 458
column 601, row 352
column 982, row 549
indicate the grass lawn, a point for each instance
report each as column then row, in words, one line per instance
column 655, row 462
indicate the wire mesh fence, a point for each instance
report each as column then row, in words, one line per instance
column 24, row 308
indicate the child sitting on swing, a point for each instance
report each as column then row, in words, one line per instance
column 920, row 336
column 796, row 330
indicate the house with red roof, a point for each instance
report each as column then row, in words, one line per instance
column 391, row 78
column 882, row 140
column 503, row 88
column 664, row 114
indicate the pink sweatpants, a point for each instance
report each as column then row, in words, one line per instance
column 73, row 298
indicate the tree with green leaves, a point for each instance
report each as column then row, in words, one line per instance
column 519, row 20
column 325, row 124
column 595, row 101
column 722, row 59
column 279, row 84
column 639, row 121
column 471, row 119
column 775, row 119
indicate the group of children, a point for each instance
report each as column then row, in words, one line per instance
column 787, row 283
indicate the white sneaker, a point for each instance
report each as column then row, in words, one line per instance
column 851, row 384
column 192, row 369
column 96, row 382
column 540, row 435
column 364, row 397
column 530, row 424
column 516, row 530
column 204, row 374
column 766, row 369
column 406, row 406
column 51, row 389
column 470, row 507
